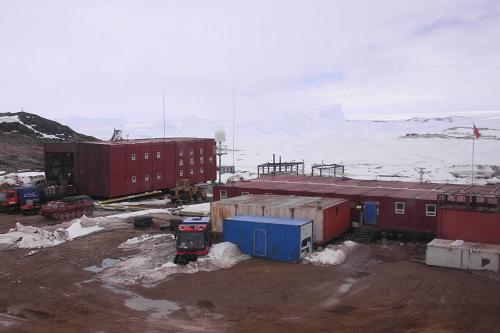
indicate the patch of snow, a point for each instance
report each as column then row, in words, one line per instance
column 349, row 243
column 141, row 239
column 138, row 213
column 202, row 209
column 76, row 230
column 149, row 266
column 154, row 202
column 458, row 242
column 29, row 237
column 328, row 256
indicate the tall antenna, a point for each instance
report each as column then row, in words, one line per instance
column 234, row 113
column 164, row 117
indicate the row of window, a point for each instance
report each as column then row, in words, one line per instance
column 399, row 209
column 133, row 157
column 158, row 175
column 191, row 151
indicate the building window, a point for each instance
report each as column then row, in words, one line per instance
column 132, row 157
column 245, row 193
column 181, row 162
column 191, row 171
column 134, row 179
column 201, row 170
column 202, row 160
column 191, row 160
column 181, row 152
column 400, row 208
column 430, row 210
column 158, row 154
column 202, row 151
column 146, row 156
column 223, row 194
column 146, row 178
column 158, row 175
column 210, row 159
column 181, row 173
column 191, row 151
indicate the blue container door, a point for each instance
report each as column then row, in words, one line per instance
column 260, row 242
column 370, row 209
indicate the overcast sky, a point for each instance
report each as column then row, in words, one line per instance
column 110, row 58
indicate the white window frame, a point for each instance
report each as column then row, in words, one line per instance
column 146, row 178
column 223, row 194
column 397, row 210
column 132, row 157
column 146, row 156
column 134, row 179
column 202, row 151
column 210, row 159
column 158, row 175
column 201, row 169
column 191, row 151
column 202, row 160
column 191, row 160
column 430, row 213
column 181, row 152
column 158, row 154
column 191, row 171
column 181, row 162
column 181, row 173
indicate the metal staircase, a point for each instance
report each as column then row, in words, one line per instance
column 364, row 234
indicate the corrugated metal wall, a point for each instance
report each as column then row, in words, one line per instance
column 116, row 169
column 470, row 226
column 282, row 240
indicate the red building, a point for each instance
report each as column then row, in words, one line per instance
column 392, row 205
column 116, row 168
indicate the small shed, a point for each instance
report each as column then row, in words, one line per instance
column 271, row 238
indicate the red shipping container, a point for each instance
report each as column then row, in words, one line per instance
column 469, row 225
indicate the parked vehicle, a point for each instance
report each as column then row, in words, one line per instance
column 68, row 208
column 25, row 199
column 192, row 239
column 184, row 191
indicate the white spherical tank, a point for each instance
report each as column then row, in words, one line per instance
column 220, row 136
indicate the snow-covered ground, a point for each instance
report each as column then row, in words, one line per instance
column 34, row 237
column 15, row 119
column 331, row 255
column 21, row 178
column 152, row 261
column 388, row 148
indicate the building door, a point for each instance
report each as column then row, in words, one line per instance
column 260, row 243
column 370, row 212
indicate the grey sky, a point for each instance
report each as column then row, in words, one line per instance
column 110, row 58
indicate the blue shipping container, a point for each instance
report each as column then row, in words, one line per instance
column 270, row 238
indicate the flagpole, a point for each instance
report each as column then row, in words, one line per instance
column 472, row 171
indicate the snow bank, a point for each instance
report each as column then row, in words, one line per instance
column 332, row 255
column 143, row 238
column 138, row 213
column 150, row 267
column 28, row 237
column 327, row 257
column 77, row 230
column 202, row 209
column 21, row 178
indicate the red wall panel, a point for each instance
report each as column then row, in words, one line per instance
column 469, row 226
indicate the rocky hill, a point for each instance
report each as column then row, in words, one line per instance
column 22, row 136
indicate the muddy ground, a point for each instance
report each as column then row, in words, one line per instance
column 379, row 288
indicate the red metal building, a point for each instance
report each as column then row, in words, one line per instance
column 469, row 217
column 394, row 205
column 116, row 168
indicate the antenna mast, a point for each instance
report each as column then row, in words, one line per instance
column 164, row 117
column 234, row 113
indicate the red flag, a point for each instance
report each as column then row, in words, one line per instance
column 476, row 131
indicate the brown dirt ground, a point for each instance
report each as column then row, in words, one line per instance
column 379, row 288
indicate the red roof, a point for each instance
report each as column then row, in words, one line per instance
column 352, row 187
